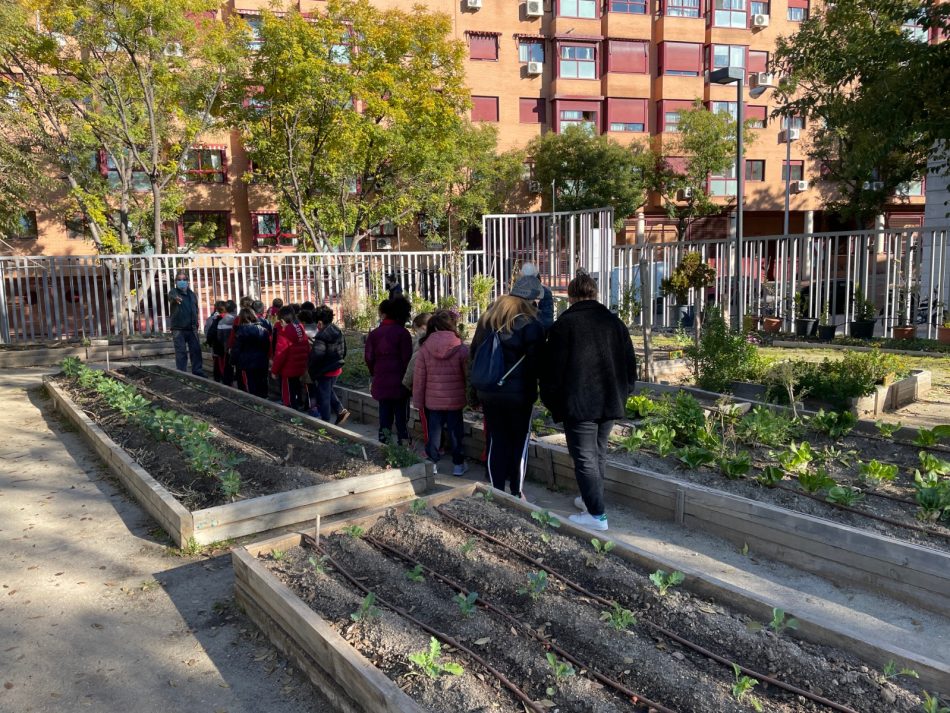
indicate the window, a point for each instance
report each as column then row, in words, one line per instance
column 574, row 117
column 254, row 23
column 797, row 10
column 798, row 170
column 482, row 46
column 26, row 226
column 915, row 32
column 724, row 184
column 681, row 59
column 730, row 13
column 682, row 8
column 340, row 54
column 756, row 116
column 265, row 225
column 759, row 8
column 797, row 122
column 527, row 171
column 484, row 108
column 730, row 108
column 668, row 114
column 109, row 169
column 578, row 62
column 626, row 115
column 578, row 8
column 758, row 62
column 530, row 50
column 628, row 56
column 727, row 56
column 206, row 165
column 77, row 227
column 531, row 111
column 629, row 7
column 911, row 188
column 755, row 170
column 192, row 221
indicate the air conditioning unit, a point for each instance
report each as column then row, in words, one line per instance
column 386, row 243
column 473, row 4
column 535, row 68
column 685, row 194
column 534, row 8
column 761, row 79
column 791, row 135
column 799, row 186
column 534, row 186
column 760, row 20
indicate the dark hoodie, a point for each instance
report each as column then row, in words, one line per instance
column 328, row 352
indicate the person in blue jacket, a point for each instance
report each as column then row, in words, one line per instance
column 251, row 351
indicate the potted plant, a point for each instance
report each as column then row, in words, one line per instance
column 691, row 274
column 804, row 326
column 826, row 330
column 903, row 330
column 943, row 331
column 864, row 316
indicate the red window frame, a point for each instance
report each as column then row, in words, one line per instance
column 729, row 182
column 229, row 237
column 711, row 17
column 628, row 7
column 531, row 110
column 681, row 59
column 756, row 61
column 108, row 170
column 800, row 165
column 210, row 174
column 797, row 5
column 485, row 108
column 594, row 107
column 596, row 4
column 672, row 8
column 628, row 56
column 595, row 62
column 255, row 233
column 482, row 46
column 750, row 163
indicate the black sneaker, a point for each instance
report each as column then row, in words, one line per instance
column 342, row 417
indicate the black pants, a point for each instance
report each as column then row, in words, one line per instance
column 508, row 425
column 394, row 410
column 187, row 347
column 254, row 381
column 293, row 392
column 587, row 444
column 452, row 423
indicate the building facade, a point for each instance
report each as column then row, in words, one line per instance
column 624, row 68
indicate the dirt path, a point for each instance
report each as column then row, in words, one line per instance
column 95, row 613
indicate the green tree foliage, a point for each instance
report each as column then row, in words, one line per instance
column 875, row 94
column 592, row 171
column 706, row 142
column 354, row 115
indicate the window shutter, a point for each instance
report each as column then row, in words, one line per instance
column 531, row 111
column 756, row 112
column 484, row 108
column 682, row 57
column 798, row 3
column 482, row 46
column 627, row 56
column 758, row 61
column 676, row 164
column 627, row 111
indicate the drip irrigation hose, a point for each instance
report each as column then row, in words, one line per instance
column 504, row 680
column 656, row 627
column 635, row 697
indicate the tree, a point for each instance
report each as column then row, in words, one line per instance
column 704, row 146
column 20, row 177
column 353, row 115
column 875, row 93
column 592, row 171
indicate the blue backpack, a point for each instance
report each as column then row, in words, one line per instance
column 488, row 367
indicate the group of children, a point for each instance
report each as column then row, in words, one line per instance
column 299, row 346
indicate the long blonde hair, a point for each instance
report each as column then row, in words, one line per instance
column 501, row 316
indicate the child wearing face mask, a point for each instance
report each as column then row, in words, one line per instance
column 418, row 332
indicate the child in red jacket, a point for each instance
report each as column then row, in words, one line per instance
column 290, row 358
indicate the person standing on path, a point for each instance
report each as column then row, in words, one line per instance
column 387, row 353
column 508, row 407
column 183, row 305
column 290, row 359
column 327, row 355
column 588, row 370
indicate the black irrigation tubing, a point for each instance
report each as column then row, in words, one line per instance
column 656, row 627
column 504, row 680
column 863, row 513
column 636, row 698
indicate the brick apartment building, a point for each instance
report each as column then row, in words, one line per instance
column 622, row 67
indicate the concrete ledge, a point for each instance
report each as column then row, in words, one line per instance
column 94, row 352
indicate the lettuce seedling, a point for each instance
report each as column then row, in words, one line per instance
column 368, row 609
column 664, row 581
column 618, row 617
column 742, row 688
column 466, row 602
column 780, row 623
column 415, row 574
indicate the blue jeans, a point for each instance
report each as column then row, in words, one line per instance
column 451, row 421
column 327, row 402
column 187, row 345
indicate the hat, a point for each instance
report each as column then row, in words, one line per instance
column 529, row 269
column 528, row 288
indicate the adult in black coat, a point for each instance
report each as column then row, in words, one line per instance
column 588, row 370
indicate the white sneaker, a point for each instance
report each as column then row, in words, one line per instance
column 589, row 521
column 460, row 470
column 579, row 504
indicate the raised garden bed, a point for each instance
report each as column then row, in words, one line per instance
column 596, row 636
column 285, row 468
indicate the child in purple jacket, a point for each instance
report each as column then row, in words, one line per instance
column 387, row 353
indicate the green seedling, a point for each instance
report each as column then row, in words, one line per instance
column 466, row 602
column 230, row 484
column 734, row 467
column 467, row 547
column 770, row 476
column 296, row 421
column 546, row 520
column 892, row 671
column 887, row 430
column 930, row 463
column 932, row 436
column 560, row 669
column 319, row 565
column 661, row 437
column 277, row 555
column 640, row 406
column 537, row 583
column 354, row 531
column 619, row 618
column 873, row 473
column 843, row 495
column 815, row 482
column 932, row 495
column 418, row 506
column 742, row 689
column 796, row 458
column 695, row 457
column 601, row 550
column 368, row 609
column 830, row 454
column 664, row 581
column 428, row 662
column 932, row 704
column 415, row 574
column 633, row 441
column 487, row 495
column 399, row 456
column 834, row 424
column 780, row 622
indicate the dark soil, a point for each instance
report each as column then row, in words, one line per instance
column 278, row 456
column 639, row 657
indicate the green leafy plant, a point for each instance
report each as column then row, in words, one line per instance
column 816, row 481
column 546, row 520
column 761, row 426
column 466, row 602
column 780, row 622
column 839, row 456
column 415, row 574
column 742, row 688
column 640, row 406
column 932, row 495
column 428, row 661
column 560, row 669
column 734, row 467
column 661, row 437
column 770, row 476
column 796, row 458
column 633, row 441
column 695, row 457
column 537, row 583
column 892, row 671
column 874, row 472
column 398, row 455
column 277, row 555
column 932, row 704
column 930, row 463
column 664, row 581
column 887, row 430
column 843, row 495
column 417, row 506
column 722, row 355
column 833, row 423
column 487, row 495
column 619, row 618
column 71, row 366
column 319, row 564
column 354, row 531
column 931, row 436
column 601, row 550
column 684, row 416
column 367, row 611
column 467, row 547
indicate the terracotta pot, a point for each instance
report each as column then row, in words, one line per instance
column 772, row 325
column 943, row 335
column 905, row 332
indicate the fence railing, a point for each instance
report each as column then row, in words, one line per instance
column 52, row 298
column 905, row 273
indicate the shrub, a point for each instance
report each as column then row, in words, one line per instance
column 722, row 355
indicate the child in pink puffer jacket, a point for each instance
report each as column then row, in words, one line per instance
column 439, row 387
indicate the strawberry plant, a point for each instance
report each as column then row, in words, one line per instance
column 873, row 473
column 428, row 661
column 780, row 622
column 815, row 482
column 843, row 495
column 664, row 581
column 619, row 618
column 537, row 583
column 695, row 457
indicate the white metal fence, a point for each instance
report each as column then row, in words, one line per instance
column 905, row 273
column 51, row 298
